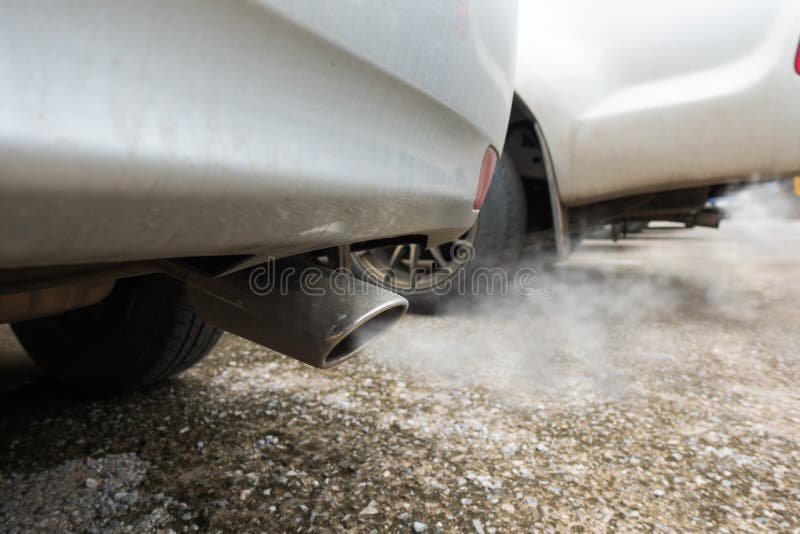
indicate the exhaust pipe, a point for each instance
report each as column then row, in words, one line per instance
column 318, row 316
column 709, row 217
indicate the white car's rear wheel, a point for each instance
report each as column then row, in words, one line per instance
column 428, row 278
column 143, row 332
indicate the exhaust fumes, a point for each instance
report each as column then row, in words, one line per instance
column 596, row 320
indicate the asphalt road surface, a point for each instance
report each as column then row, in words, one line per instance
column 652, row 383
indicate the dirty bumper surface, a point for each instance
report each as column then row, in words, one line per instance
column 647, row 384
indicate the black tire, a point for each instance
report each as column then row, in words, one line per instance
column 498, row 240
column 502, row 221
column 143, row 332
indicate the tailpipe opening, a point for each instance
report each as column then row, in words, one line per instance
column 362, row 335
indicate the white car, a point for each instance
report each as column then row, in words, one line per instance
column 200, row 138
column 626, row 110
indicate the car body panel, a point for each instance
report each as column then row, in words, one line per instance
column 635, row 97
column 144, row 129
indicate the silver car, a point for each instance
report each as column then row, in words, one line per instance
column 155, row 155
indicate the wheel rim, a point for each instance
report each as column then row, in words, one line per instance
column 410, row 269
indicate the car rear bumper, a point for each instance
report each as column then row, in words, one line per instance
column 136, row 130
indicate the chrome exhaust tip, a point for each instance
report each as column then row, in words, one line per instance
column 708, row 217
column 363, row 332
column 318, row 316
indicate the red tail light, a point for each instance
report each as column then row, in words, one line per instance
column 485, row 178
column 797, row 60
column 462, row 19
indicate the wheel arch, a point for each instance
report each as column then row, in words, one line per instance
column 526, row 143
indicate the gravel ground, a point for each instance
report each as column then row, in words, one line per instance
column 650, row 384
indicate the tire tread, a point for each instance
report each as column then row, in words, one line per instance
column 160, row 337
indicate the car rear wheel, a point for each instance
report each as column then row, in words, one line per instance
column 143, row 332
column 430, row 278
